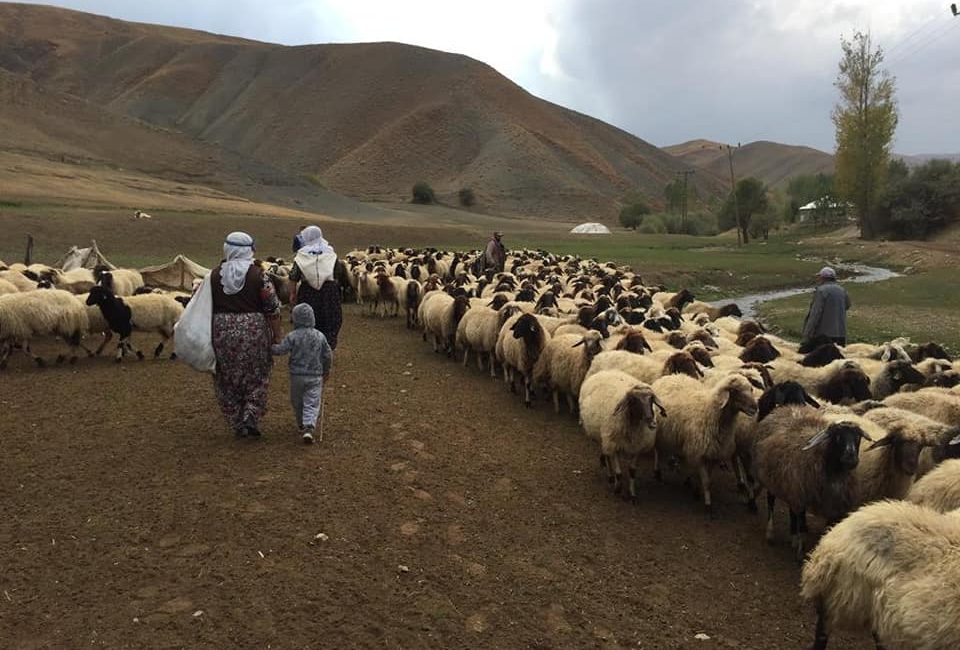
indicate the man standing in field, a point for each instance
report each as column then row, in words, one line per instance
column 827, row 318
column 495, row 256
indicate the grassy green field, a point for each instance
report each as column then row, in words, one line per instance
column 923, row 305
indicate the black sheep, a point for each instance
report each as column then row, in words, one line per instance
column 118, row 317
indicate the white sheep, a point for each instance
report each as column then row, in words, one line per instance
column 621, row 414
column 25, row 316
column 699, row 428
column 440, row 316
column 19, row 280
column 564, row 364
column 646, row 367
column 520, row 344
column 139, row 214
column 122, row 282
column 7, row 287
column 840, row 381
column 478, row 331
column 940, row 489
column 891, row 569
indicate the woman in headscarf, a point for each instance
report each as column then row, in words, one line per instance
column 246, row 319
column 312, row 282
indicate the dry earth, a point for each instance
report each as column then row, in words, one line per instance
column 132, row 518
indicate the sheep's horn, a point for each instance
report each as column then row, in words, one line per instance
column 883, row 442
column 579, row 343
column 955, row 441
column 818, row 439
column 812, row 402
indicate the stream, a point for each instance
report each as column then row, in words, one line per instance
column 862, row 275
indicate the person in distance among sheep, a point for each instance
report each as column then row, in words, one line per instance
column 826, row 320
column 310, row 361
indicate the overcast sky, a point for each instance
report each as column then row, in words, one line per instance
column 665, row 70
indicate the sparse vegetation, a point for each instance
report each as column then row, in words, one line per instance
column 10, row 204
column 467, row 197
column 423, row 193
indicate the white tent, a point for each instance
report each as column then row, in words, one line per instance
column 591, row 229
column 83, row 258
column 176, row 274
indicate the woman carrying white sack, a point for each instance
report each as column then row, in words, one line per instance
column 310, row 361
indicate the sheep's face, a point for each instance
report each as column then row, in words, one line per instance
column 842, row 440
column 498, row 302
column 681, row 363
column 634, row 342
column 946, row 379
column 700, row 355
column 740, row 399
column 764, row 372
column 903, row 372
column 907, row 456
column 784, row 394
column 760, row 350
column 641, row 408
column 731, row 310
column 676, row 340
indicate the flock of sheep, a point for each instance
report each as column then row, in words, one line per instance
column 38, row 301
column 865, row 436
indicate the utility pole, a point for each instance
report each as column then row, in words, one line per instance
column 683, row 201
column 733, row 188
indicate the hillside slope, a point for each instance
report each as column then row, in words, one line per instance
column 773, row 163
column 367, row 120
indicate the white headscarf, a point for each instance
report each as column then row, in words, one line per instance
column 313, row 241
column 238, row 256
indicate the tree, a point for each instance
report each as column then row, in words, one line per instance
column 423, row 193
column 751, row 199
column 673, row 193
column 631, row 215
column 865, row 119
column 467, row 197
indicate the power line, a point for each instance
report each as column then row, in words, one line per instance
column 922, row 45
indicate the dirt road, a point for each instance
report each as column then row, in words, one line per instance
column 455, row 518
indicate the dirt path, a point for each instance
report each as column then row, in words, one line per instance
column 131, row 518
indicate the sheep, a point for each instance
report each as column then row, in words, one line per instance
column 631, row 340
column 937, row 403
column 699, row 429
column 19, row 280
column 621, row 414
column 808, row 461
column 890, row 569
column 7, row 287
column 478, row 331
column 822, row 356
column 24, row 316
column 563, row 367
column 440, row 315
column 842, row 381
column 139, row 214
column 759, row 349
column 148, row 312
column 412, row 295
column 940, row 489
column 928, row 351
column 714, row 313
column 520, row 345
column 893, row 376
column 388, row 293
column 646, row 368
column 121, row 282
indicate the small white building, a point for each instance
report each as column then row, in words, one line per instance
column 591, row 229
column 825, row 210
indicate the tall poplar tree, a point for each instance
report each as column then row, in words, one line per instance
column 865, row 119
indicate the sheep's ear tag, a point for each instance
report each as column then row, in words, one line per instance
column 818, row 439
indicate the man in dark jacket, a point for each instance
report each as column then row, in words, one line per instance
column 827, row 318
column 495, row 255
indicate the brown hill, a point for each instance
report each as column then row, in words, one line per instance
column 367, row 120
column 773, row 163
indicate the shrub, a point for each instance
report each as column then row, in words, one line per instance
column 653, row 225
column 466, row 196
column 423, row 193
column 632, row 214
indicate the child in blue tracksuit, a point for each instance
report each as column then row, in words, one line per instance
column 310, row 361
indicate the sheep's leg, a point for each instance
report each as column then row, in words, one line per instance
column 801, row 534
column 493, row 366
column 527, row 392
column 4, row 355
column 705, row 486
column 879, row 644
column 571, row 404
column 40, row 362
column 73, row 342
column 657, row 474
column 771, row 501
column 556, row 401
column 634, row 461
column 739, row 473
column 820, row 637
column 466, row 356
column 605, row 464
column 510, row 377
column 120, row 352
column 617, row 474
column 480, row 360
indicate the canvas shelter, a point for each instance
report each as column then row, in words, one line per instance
column 176, row 274
column 83, row 258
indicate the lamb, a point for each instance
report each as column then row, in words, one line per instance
column 940, row 489
column 520, row 344
column 807, row 460
column 563, row 367
column 148, row 312
column 121, row 282
column 700, row 428
column 891, row 569
column 25, row 316
column 620, row 413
